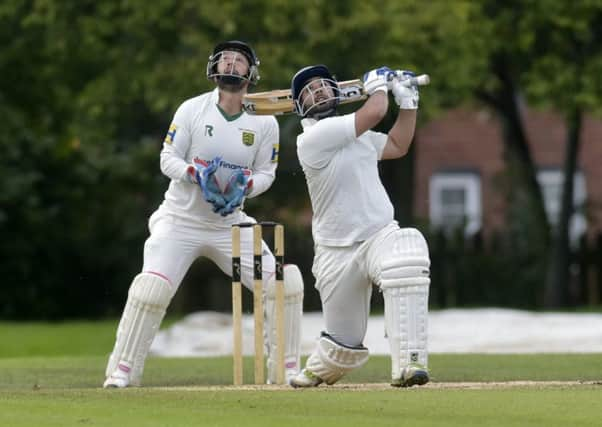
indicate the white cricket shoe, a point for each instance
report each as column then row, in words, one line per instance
column 289, row 374
column 413, row 374
column 120, row 378
column 305, row 379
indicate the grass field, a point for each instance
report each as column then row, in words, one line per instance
column 50, row 375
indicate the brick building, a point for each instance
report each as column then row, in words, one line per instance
column 459, row 163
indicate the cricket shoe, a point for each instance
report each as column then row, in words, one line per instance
column 289, row 374
column 305, row 379
column 413, row 374
column 120, row 378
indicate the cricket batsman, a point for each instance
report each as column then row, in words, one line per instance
column 357, row 241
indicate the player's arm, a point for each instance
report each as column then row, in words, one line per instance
column 401, row 134
column 263, row 170
column 375, row 108
column 175, row 147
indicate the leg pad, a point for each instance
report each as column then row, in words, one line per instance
column 332, row 360
column 148, row 298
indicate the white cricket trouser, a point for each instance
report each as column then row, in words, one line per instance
column 175, row 243
column 344, row 278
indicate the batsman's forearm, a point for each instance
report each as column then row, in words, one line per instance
column 402, row 132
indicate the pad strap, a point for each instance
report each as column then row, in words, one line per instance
column 406, row 271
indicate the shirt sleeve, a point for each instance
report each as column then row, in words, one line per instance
column 266, row 159
column 378, row 140
column 322, row 140
column 176, row 145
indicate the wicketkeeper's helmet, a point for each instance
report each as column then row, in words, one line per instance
column 238, row 46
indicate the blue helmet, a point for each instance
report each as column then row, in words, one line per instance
column 319, row 109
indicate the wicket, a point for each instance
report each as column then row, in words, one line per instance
column 258, row 311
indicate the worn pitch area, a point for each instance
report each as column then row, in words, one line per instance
column 384, row 386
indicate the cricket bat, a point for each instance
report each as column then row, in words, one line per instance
column 278, row 102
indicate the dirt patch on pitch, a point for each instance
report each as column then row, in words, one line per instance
column 383, row 386
column 478, row 385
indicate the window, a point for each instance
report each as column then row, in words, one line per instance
column 455, row 201
column 551, row 181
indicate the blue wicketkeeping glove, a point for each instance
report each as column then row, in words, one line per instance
column 238, row 187
column 205, row 176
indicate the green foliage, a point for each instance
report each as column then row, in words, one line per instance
column 88, row 89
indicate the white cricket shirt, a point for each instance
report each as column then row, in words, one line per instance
column 201, row 130
column 348, row 199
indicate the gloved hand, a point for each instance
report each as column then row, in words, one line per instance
column 238, row 187
column 405, row 96
column 403, row 74
column 377, row 79
column 205, row 177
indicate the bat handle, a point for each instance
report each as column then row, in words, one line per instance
column 421, row 80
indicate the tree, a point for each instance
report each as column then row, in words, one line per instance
column 566, row 47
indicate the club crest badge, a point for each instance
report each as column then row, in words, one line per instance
column 248, row 138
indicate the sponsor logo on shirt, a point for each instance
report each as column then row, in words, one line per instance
column 275, row 151
column 222, row 164
column 171, row 134
column 248, row 138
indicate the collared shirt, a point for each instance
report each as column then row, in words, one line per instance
column 200, row 130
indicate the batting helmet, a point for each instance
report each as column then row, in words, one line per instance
column 323, row 108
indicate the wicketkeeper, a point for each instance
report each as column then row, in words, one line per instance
column 357, row 241
column 216, row 156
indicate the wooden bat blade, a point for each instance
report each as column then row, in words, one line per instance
column 277, row 102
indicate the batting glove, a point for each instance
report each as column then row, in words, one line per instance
column 406, row 97
column 403, row 74
column 377, row 79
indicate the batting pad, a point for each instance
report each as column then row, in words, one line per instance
column 405, row 282
column 293, row 311
column 148, row 298
column 330, row 361
column 406, row 310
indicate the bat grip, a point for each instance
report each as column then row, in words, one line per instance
column 421, row 80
